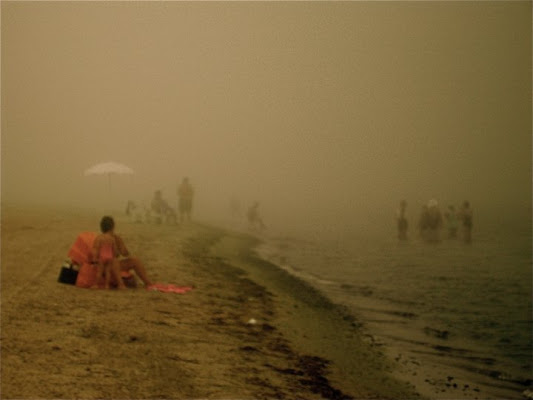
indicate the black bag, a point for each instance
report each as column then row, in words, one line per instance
column 67, row 274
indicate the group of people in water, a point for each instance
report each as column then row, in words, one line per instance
column 432, row 221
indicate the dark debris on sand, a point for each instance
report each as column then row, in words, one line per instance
column 274, row 368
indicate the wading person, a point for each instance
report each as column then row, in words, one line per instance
column 185, row 196
column 433, row 221
column 451, row 222
column 402, row 221
column 466, row 216
column 254, row 219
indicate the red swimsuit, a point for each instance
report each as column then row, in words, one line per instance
column 106, row 252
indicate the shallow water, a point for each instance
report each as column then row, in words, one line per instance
column 463, row 308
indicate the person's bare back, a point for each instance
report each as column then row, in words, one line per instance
column 105, row 249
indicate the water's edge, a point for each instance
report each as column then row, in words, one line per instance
column 438, row 367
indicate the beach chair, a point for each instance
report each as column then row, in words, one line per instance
column 81, row 254
column 81, row 251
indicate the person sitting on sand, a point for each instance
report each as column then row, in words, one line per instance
column 168, row 213
column 104, row 250
column 162, row 211
column 125, row 263
column 134, row 212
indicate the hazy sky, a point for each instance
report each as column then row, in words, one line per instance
column 312, row 108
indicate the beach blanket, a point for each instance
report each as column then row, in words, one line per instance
column 169, row 288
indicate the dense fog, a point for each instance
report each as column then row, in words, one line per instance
column 324, row 112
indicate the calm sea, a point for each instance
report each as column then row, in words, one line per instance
column 456, row 317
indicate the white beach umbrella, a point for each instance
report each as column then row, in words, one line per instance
column 108, row 168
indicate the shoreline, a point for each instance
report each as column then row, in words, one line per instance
column 427, row 369
column 247, row 330
column 313, row 323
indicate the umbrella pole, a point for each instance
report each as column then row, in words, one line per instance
column 109, row 197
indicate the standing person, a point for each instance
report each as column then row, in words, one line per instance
column 466, row 216
column 254, row 219
column 434, row 221
column 235, row 207
column 402, row 221
column 104, row 250
column 185, row 195
column 156, row 207
column 423, row 222
column 451, row 221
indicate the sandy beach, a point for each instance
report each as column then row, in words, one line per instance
column 314, row 138
column 60, row 341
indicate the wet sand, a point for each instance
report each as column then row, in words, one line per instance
column 59, row 341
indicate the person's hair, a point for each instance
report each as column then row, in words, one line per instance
column 107, row 224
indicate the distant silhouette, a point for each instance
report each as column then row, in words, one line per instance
column 254, row 219
column 156, row 208
column 466, row 217
column 431, row 221
column 169, row 214
column 161, row 210
column 452, row 221
column 134, row 212
column 235, row 208
column 423, row 224
column 402, row 221
column 185, row 194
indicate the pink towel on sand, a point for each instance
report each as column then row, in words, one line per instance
column 169, row 288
